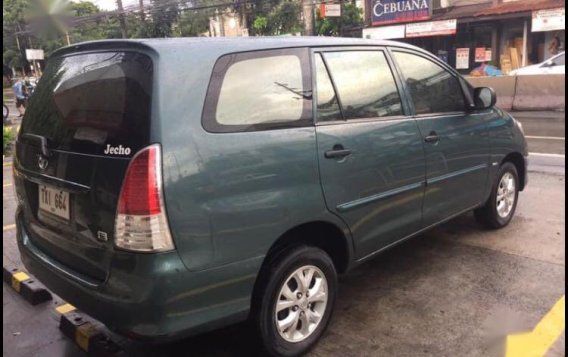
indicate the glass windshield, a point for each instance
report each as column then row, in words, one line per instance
column 86, row 102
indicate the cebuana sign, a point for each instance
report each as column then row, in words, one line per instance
column 392, row 11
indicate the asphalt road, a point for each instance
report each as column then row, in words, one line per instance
column 457, row 290
column 545, row 131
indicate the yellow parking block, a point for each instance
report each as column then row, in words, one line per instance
column 8, row 227
column 17, row 280
column 84, row 333
column 65, row 308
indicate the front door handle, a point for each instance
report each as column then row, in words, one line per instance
column 432, row 138
column 337, row 152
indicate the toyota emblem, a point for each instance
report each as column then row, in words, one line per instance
column 42, row 162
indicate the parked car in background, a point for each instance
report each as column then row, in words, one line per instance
column 168, row 187
column 554, row 65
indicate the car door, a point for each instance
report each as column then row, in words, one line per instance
column 456, row 141
column 370, row 151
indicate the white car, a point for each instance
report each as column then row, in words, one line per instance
column 554, row 65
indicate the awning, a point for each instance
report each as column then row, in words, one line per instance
column 459, row 12
column 520, row 6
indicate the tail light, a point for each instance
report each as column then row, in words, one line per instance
column 141, row 223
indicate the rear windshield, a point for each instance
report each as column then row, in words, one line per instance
column 89, row 103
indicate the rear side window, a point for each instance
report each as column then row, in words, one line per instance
column 259, row 91
column 365, row 84
column 432, row 88
column 328, row 106
column 87, row 102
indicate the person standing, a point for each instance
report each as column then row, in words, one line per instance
column 20, row 93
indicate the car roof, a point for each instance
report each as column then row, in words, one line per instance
column 220, row 45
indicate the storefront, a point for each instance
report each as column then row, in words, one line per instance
column 517, row 33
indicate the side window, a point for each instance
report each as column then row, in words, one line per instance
column 259, row 91
column 432, row 88
column 327, row 105
column 365, row 84
column 559, row 61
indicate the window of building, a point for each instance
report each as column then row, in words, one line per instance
column 327, row 104
column 258, row 91
column 365, row 84
column 432, row 88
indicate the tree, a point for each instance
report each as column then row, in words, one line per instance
column 351, row 16
column 192, row 23
column 164, row 13
column 275, row 17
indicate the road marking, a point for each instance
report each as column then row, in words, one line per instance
column 545, row 137
column 7, row 163
column 537, row 342
column 6, row 185
column 8, row 227
column 545, row 154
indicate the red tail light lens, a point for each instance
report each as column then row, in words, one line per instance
column 140, row 192
column 141, row 222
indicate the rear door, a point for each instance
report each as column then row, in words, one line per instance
column 370, row 151
column 456, row 142
column 89, row 115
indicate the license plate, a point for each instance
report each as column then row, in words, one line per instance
column 54, row 201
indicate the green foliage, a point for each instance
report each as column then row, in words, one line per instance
column 276, row 17
column 12, row 58
column 192, row 23
column 260, row 24
column 164, row 13
column 8, row 137
column 351, row 16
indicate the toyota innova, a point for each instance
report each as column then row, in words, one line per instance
column 168, row 187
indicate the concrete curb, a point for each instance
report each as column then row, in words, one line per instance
column 32, row 291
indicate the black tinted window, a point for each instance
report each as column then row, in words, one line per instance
column 365, row 84
column 258, row 90
column 432, row 88
column 85, row 102
column 328, row 107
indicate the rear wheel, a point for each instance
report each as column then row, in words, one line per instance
column 501, row 206
column 297, row 300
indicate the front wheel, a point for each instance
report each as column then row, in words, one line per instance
column 296, row 301
column 501, row 206
column 5, row 111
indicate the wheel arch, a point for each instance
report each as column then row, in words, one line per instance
column 335, row 241
column 518, row 160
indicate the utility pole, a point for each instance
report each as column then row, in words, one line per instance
column 142, row 17
column 122, row 19
column 308, row 12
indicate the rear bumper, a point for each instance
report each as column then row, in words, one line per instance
column 150, row 296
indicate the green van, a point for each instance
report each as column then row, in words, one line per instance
column 168, row 187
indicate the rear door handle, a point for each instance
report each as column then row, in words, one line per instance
column 432, row 137
column 338, row 151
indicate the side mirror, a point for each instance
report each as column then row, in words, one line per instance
column 484, row 97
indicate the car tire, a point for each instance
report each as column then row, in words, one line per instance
column 501, row 205
column 295, row 303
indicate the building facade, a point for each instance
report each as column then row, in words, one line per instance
column 465, row 33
